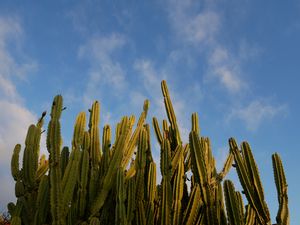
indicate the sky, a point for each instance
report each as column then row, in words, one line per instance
column 234, row 62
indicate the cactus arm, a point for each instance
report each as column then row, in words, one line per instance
column 242, row 173
column 42, row 169
column 131, row 199
column 79, row 130
column 111, row 171
column 249, row 180
column 157, row 130
column 170, row 112
column 254, row 174
column 15, row 171
column 226, row 167
column 178, row 152
column 151, row 183
column 195, row 123
column 133, row 140
column 42, row 201
column 29, row 157
column 191, row 213
column 233, row 207
column 199, row 167
column 178, row 191
column 95, row 152
column 166, row 193
column 70, row 182
column 140, row 164
column 106, row 143
column 84, row 171
column 250, row 217
column 64, row 159
column 120, row 199
column 53, row 146
column 281, row 186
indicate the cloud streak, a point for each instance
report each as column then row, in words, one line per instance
column 257, row 112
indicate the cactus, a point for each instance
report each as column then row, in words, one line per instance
column 95, row 152
column 115, row 182
column 234, row 204
column 281, row 186
column 53, row 145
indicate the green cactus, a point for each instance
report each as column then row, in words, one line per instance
column 15, row 171
column 281, row 186
column 112, row 169
column 42, row 201
column 250, row 181
column 95, row 152
column 121, row 217
column 116, row 183
column 234, row 204
column 53, row 145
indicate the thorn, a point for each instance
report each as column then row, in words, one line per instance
column 243, row 192
column 44, row 114
column 234, row 165
column 109, row 145
column 43, row 131
column 64, row 108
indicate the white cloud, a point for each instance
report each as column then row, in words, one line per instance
column 256, row 113
column 150, row 76
column 225, row 68
column 14, row 116
column 14, row 120
column 200, row 26
column 190, row 26
column 104, row 70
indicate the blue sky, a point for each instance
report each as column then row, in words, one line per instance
column 234, row 62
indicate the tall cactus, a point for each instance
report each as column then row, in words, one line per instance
column 116, row 183
column 282, row 217
column 249, row 177
column 54, row 141
column 95, row 151
column 234, row 204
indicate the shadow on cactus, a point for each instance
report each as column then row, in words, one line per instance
column 114, row 181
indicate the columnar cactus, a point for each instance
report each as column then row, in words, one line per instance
column 115, row 182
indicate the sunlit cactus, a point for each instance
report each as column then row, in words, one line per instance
column 115, row 181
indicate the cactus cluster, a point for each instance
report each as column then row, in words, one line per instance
column 114, row 182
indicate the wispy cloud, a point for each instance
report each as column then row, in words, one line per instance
column 193, row 27
column 257, row 112
column 104, row 70
column 226, row 69
column 199, row 26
